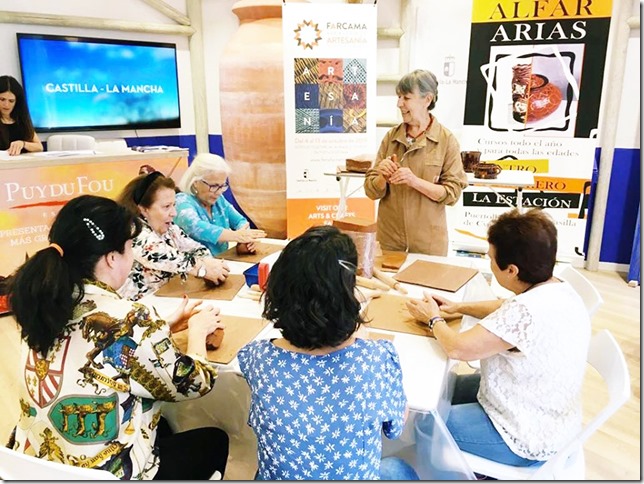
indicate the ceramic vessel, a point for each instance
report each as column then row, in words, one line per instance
column 252, row 113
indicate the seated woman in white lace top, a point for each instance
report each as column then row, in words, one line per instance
column 525, row 403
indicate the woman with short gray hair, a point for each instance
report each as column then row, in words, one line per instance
column 205, row 215
column 418, row 171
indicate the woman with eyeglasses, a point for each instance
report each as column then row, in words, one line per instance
column 205, row 215
column 162, row 250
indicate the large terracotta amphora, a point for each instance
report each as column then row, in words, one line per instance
column 252, row 113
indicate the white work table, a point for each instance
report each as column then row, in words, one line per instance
column 427, row 379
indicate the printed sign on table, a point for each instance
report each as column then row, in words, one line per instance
column 533, row 91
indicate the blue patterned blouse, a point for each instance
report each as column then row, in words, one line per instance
column 193, row 218
column 321, row 417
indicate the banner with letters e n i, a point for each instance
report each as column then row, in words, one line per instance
column 534, row 87
column 329, row 107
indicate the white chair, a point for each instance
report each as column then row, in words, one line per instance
column 18, row 466
column 70, row 142
column 589, row 294
column 116, row 145
column 605, row 355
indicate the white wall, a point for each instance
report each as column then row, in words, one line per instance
column 128, row 10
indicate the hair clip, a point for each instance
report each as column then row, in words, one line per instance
column 347, row 265
column 94, row 229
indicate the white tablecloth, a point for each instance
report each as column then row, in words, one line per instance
column 428, row 380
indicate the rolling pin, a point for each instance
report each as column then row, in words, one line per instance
column 371, row 283
column 255, row 296
column 390, row 281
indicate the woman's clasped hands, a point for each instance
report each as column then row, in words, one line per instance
column 217, row 270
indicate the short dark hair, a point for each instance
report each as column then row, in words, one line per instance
column 310, row 290
column 142, row 191
column 527, row 240
column 46, row 288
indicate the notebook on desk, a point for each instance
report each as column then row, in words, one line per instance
column 445, row 277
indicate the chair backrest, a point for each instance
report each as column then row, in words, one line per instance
column 605, row 355
column 589, row 294
column 70, row 142
column 15, row 465
column 116, row 145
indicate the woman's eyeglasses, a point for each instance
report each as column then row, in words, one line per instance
column 215, row 187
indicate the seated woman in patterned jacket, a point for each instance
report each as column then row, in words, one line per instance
column 98, row 367
column 162, row 250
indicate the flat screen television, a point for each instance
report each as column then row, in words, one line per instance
column 81, row 83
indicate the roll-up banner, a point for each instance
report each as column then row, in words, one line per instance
column 534, row 86
column 329, row 107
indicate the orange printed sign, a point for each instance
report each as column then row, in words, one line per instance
column 560, row 185
column 31, row 196
column 303, row 213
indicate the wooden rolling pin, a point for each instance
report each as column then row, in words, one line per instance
column 390, row 281
column 255, row 296
column 371, row 283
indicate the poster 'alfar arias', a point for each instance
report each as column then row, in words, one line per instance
column 533, row 93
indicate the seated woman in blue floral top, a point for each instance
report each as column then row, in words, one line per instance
column 204, row 214
column 162, row 250
column 321, row 396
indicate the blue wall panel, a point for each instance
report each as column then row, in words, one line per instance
column 622, row 207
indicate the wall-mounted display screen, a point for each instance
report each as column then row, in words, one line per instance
column 79, row 83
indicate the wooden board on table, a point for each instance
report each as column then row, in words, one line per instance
column 445, row 277
column 261, row 251
column 197, row 288
column 390, row 312
column 239, row 332
column 390, row 260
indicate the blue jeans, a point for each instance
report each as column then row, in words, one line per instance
column 473, row 430
column 396, row 469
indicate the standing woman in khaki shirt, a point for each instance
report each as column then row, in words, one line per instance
column 418, row 171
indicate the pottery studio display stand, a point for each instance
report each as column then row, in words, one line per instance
column 516, row 179
column 343, row 178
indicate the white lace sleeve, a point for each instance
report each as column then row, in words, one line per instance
column 513, row 323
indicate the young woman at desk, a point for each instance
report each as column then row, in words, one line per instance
column 525, row 403
column 17, row 134
column 98, row 367
column 321, row 397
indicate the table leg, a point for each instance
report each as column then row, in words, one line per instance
column 520, row 199
column 342, row 203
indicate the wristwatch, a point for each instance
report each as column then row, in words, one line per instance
column 433, row 321
column 201, row 272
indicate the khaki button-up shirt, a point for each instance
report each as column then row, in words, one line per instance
column 407, row 219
